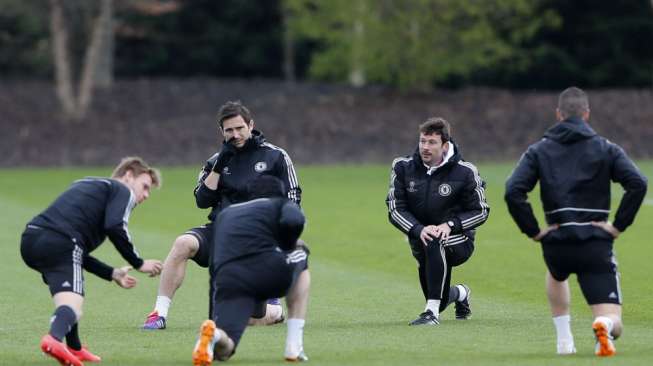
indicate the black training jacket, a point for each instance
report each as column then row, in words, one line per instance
column 253, row 227
column 419, row 196
column 574, row 166
column 90, row 210
column 257, row 157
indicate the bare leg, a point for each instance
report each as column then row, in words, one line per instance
column 174, row 267
column 70, row 299
column 559, row 300
column 558, row 294
column 297, row 301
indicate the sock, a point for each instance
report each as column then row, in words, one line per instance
column 62, row 321
column 462, row 293
column 162, row 305
column 563, row 328
column 607, row 321
column 72, row 339
column 295, row 336
column 433, row 306
column 215, row 340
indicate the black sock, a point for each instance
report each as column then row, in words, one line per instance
column 62, row 322
column 72, row 339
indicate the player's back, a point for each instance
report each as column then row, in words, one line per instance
column 575, row 170
column 80, row 212
column 253, row 227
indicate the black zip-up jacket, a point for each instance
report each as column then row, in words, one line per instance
column 89, row 211
column 420, row 196
column 255, row 158
column 253, row 227
column 574, row 166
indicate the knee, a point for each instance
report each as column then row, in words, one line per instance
column 184, row 247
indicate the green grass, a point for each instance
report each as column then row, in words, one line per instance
column 364, row 291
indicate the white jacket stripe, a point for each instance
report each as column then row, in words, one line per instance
column 469, row 222
column 292, row 176
column 392, row 201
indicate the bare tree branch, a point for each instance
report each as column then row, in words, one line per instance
column 62, row 68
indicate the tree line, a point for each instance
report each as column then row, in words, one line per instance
column 406, row 44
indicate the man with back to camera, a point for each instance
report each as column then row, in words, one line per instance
column 244, row 156
column 57, row 243
column 255, row 256
column 437, row 200
column 575, row 167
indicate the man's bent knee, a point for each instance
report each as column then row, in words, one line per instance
column 185, row 246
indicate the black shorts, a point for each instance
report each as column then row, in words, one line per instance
column 245, row 284
column 594, row 263
column 204, row 235
column 56, row 257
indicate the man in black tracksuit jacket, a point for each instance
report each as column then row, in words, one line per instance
column 245, row 155
column 575, row 167
column 57, row 243
column 437, row 199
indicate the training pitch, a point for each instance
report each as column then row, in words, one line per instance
column 364, row 291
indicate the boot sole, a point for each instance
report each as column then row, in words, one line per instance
column 201, row 356
column 606, row 348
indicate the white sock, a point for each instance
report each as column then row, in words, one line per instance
column 607, row 321
column 162, row 305
column 216, row 338
column 434, row 306
column 295, row 337
column 563, row 328
column 462, row 293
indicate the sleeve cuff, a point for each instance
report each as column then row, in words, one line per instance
column 137, row 263
column 415, row 231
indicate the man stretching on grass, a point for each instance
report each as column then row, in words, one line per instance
column 575, row 167
column 57, row 243
column 255, row 256
column 437, row 200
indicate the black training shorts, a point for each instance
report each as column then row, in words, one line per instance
column 56, row 257
column 594, row 263
column 204, row 235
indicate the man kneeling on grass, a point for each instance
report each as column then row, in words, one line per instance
column 255, row 257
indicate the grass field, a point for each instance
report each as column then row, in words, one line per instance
column 364, row 292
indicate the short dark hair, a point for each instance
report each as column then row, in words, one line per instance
column 438, row 126
column 265, row 186
column 573, row 102
column 232, row 109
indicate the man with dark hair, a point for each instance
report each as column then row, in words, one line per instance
column 57, row 243
column 575, row 167
column 254, row 256
column 245, row 155
column 437, row 200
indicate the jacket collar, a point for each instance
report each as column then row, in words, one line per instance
column 254, row 141
column 453, row 156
